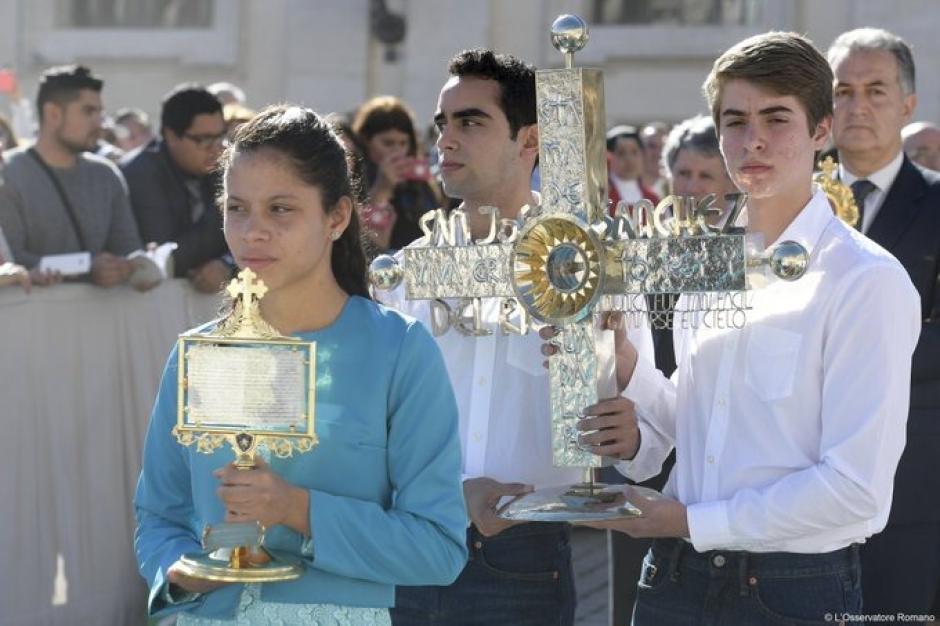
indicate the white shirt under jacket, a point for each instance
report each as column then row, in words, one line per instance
column 882, row 179
column 502, row 396
column 788, row 431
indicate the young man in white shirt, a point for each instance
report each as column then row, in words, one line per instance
column 518, row 574
column 787, row 431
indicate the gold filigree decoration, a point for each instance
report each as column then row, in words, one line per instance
column 206, row 443
column 557, row 267
column 209, row 442
column 284, row 448
column 840, row 194
column 245, row 321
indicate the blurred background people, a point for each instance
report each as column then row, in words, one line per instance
column 57, row 197
column 10, row 272
column 692, row 161
column 227, row 93
column 173, row 185
column 653, row 135
column 235, row 116
column 398, row 183
column 922, row 144
column 107, row 144
column 22, row 120
column 625, row 165
column 132, row 129
column 8, row 139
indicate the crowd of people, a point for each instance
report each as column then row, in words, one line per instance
column 805, row 449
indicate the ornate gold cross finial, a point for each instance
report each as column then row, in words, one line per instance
column 245, row 319
column 840, row 196
column 246, row 286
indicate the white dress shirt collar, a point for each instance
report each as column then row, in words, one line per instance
column 882, row 179
column 808, row 225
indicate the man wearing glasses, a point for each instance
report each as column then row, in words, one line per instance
column 172, row 185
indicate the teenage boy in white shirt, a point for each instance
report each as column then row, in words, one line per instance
column 788, row 431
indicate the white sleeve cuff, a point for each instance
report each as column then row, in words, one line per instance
column 635, row 468
column 709, row 528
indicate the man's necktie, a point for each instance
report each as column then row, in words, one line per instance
column 860, row 190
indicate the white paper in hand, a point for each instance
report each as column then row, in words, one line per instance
column 151, row 266
column 72, row 264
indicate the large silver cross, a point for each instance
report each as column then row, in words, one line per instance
column 561, row 262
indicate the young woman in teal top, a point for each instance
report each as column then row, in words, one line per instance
column 378, row 502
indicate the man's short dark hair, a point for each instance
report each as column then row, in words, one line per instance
column 183, row 104
column 625, row 132
column 786, row 64
column 516, row 83
column 62, row 85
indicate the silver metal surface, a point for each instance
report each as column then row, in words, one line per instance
column 470, row 271
column 385, row 272
column 572, row 384
column 789, row 260
column 680, row 264
column 567, row 504
column 569, row 35
column 572, row 152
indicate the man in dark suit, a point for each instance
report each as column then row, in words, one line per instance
column 172, row 186
column 900, row 208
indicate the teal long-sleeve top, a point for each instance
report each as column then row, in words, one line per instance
column 386, row 501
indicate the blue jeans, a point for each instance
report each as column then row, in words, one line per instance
column 520, row 577
column 681, row 586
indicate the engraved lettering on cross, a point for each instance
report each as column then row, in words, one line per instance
column 558, row 262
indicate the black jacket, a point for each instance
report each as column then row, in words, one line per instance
column 163, row 207
column 908, row 226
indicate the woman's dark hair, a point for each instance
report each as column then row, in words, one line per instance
column 319, row 159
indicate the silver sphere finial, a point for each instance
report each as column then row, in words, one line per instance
column 385, row 273
column 789, row 260
column 569, row 33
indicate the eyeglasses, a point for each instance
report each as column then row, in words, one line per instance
column 206, row 141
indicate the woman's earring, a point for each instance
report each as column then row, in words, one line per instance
column 334, row 235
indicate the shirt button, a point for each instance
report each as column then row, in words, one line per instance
column 721, row 402
column 718, row 560
column 481, row 381
column 711, row 459
column 477, row 437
